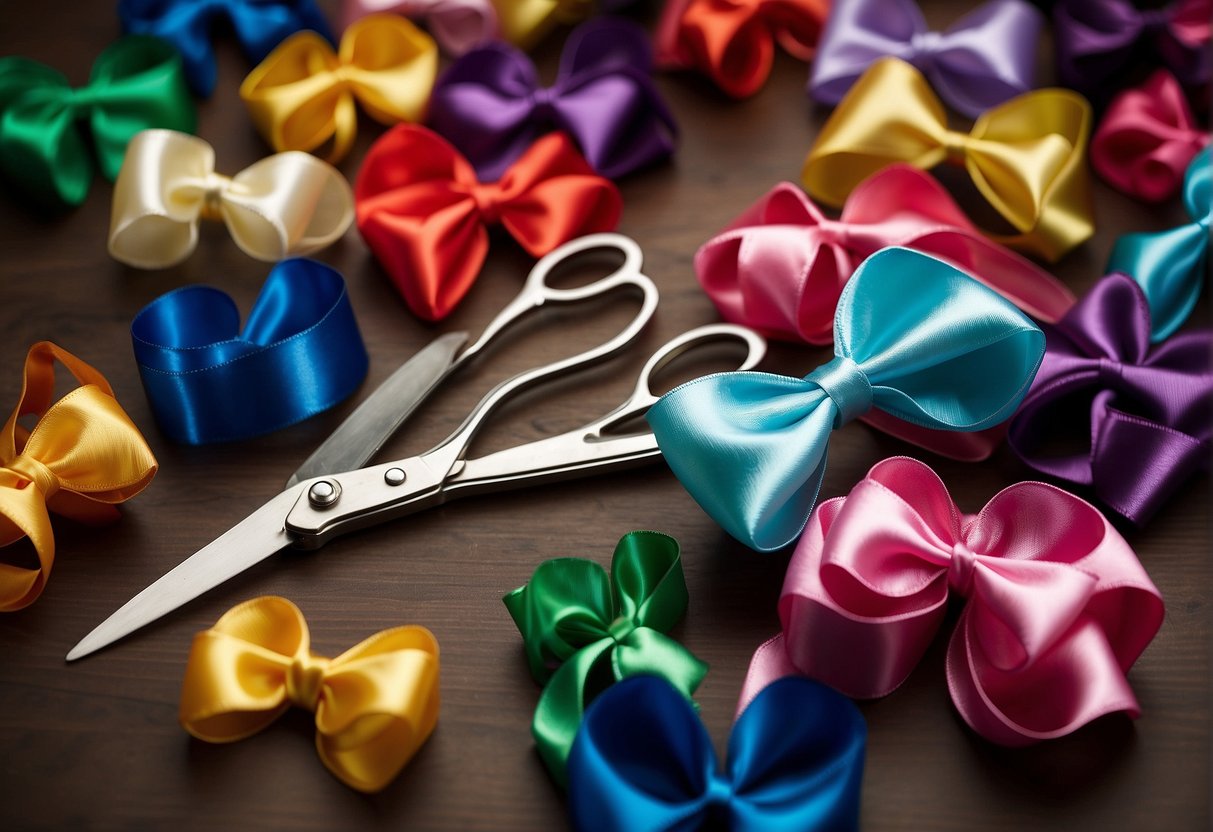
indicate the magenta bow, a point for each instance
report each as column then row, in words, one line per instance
column 457, row 25
column 1057, row 606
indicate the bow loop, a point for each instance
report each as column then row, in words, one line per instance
column 457, row 25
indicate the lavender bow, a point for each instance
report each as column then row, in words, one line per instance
column 980, row 61
column 489, row 103
column 1142, row 418
column 457, row 25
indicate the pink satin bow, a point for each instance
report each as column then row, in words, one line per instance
column 1147, row 138
column 1057, row 607
column 457, row 25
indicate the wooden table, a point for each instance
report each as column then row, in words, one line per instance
column 96, row 744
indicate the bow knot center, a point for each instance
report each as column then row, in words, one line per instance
column 956, row 145
column 846, row 385
column 33, row 471
column 621, row 628
column 720, row 790
column 305, row 680
column 924, row 45
column 487, row 197
column 961, row 568
column 82, row 98
column 213, row 188
column 1110, row 371
column 543, row 103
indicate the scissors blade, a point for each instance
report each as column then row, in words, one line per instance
column 365, row 430
column 249, row 542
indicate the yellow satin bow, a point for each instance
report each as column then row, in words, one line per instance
column 303, row 94
column 83, row 456
column 375, row 704
column 524, row 22
column 1027, row 157
column 287, row 204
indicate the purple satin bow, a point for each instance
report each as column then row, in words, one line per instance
column 490, row 105
column 980, row 61
column 1140, row 418
column 457, row 25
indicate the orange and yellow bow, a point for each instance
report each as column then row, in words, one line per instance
column 303, row 94
column 375, row 704
column 1027, row 157
column 82, row 456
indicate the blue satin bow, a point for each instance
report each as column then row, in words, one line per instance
column 299, row 354
column 913, row 336
column 1172, row 265
column 260, row 25
column 643, row 762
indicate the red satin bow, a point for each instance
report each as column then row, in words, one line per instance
column 733, row 41
column 424, row 214
column 1147, row 138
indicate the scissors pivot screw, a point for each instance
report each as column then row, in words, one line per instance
column 394, row 476
column 323, row 494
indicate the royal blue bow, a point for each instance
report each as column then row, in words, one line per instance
column 913, row 336
column 260, row 25
column 299, row 354
column 643, row 762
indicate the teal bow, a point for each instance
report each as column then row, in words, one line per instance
column 913, row 336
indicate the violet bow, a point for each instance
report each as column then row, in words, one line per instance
column 457, row 25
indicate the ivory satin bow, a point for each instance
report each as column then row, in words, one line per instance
column 286, row 204
column 376, row 704
column 303, row 95
column 1027, row 157
column 1057, row 606
column 423, row 212
column 83, row 457
column 457, row 25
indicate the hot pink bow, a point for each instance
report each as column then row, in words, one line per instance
column 457, row 25
column 1057, row 607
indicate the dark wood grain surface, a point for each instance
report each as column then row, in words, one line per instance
column 96, row 744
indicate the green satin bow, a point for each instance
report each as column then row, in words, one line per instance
column 136, row 83
column 578, row 626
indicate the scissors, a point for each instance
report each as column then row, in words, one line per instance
column 333, row 493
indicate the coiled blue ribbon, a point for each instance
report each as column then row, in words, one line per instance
column 642, row 761
column 300, row 353
column 913, row 336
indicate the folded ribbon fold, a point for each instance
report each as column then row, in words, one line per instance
column 457, row 25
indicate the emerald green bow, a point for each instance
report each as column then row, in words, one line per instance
column 578, row 626
column 137, row 82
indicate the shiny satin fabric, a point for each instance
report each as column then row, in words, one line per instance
column 208, row 380
column 525, row 22
column 1027, row 157
column 1113, row 415
column 643, row 762
column 457, row 25
column 914, row 337
column 285, row 205
column 490, row 105
column 1172, row 266
column 376, row 704
column 259, row 26
column 983, row 59
column 1057, row 607
column 82, row 458
column 136, row 83
column 732, row 42
column 303, row 95
column 424, row 214
column 580, row 627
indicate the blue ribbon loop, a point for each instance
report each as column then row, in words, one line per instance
column 299, row 354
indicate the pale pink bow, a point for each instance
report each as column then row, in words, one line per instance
column 1057, row 606
column 457, row 25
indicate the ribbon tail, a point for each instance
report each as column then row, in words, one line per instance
column 770, row 662
column 561, row 706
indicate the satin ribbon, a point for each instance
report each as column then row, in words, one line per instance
column 286, row 204
column 580, row 627
column 299, row 354
column 136, row 83
column 913, row 337
column 259, row 25
column 489, row 103
column 732, row 42
column 1056, row 606
column 1141, row 418
column 643, row 762
column 1147, row 139
column 1026, row 157
column 424, row 214
column 1173, row 265
column 83, row 457
column 376, row 704
column 525, row 22
column 980, row 61
column 302, row 95
column 1100, row 41
column 457, row 25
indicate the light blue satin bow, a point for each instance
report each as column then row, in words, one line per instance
column 1172, row 265
column 913, row 336
column 642, row 761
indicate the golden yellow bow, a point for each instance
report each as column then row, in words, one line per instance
column 524, row 22
column 303, row 94
column 287, row 204
column 375, row 704
column 83, row 456
column 1027, row 157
